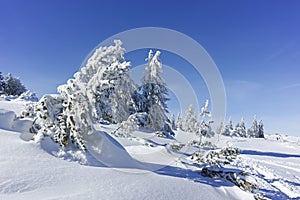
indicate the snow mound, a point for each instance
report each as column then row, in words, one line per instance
column 110, row 152
column 6, row 119
column 9, row 121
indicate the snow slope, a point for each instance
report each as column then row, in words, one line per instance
column 273, row 162
column 29, row 172
column 140, row 167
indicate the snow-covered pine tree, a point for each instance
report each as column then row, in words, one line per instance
column 110, row 81
column 122, row 103
column 153, row 92
column 29, row 96
column 190, row 122
column 228, row 129
column 240, row 129
column 204, row 110
column 49, row 120
column 1, row 83
column 206, row 130
column 97, row 88
column 220, row 130
column 85, row 98
column 12, row 86
column 253, row 130
column 157, row 117
column 173, row 122
column 260, row 131
column 179, row 122
column 205, row 127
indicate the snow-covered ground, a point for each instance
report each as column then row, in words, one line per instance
column 273, row 162
column 143, row 166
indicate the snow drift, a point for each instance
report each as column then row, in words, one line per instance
column 9, row 121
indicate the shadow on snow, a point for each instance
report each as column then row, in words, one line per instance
column 272, row 154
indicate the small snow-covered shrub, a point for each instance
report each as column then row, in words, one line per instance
column 166, row 131
column 237, row 177
column 202, row 144
column 177, row 146
column 29, row 111
column 208, row 144
column 259, row 196
column 193, row 143
column 216, row 157
column 28, row 96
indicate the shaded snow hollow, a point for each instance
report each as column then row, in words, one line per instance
column 131, row 169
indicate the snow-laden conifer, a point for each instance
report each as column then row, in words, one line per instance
column 260, row 131
column 153, row 93
column 240, row 129
column 228, row 129
column 190, row 123
column 12, row 86
column 179, row 122
column 95, row 93
column 253, row 130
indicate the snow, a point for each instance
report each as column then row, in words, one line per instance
column 29, row 172
column 138, row 167
column 273, row 163
column 8, row 121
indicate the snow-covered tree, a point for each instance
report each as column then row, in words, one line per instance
column 12, row 86
column 50, row 121
column 220, row 129
column 1, row 83
column 87, row 97
column 260, row 131
column 179, row 122
column 111, row 86
column 204, row 110
column 190, row 123
column 253, row 130
column 29, row 110
column 228, row 129
column 240, row 129
column 206, row 130
column 205, row 127
column 122, row 103
column 153, row 95
column 173, row 122
column 157, row 117
column 29, row 96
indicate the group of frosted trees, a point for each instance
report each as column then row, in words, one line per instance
column 190, row 122
column 103, row 92
column 10, row 85
column 256, row 130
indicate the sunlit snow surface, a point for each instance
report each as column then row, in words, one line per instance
column 140, row 167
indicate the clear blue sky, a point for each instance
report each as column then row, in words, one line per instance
column 255, row 44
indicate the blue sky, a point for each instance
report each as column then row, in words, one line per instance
column 255, row 45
